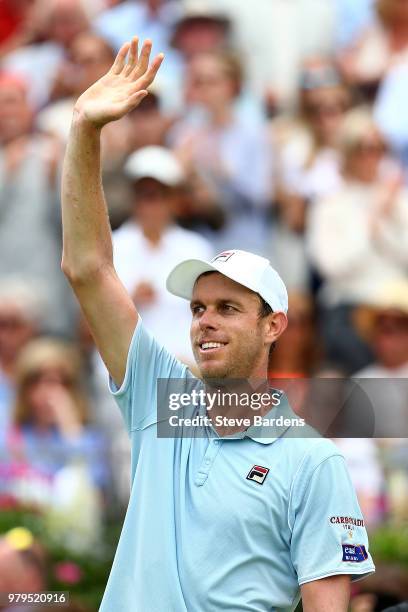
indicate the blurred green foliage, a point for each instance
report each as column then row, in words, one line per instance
column 390, row 544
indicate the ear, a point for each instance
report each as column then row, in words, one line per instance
column 275, row 325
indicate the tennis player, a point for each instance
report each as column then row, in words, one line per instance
column 215, row 522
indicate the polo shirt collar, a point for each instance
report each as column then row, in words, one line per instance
column 265, row 434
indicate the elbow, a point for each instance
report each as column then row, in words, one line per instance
column 86, row 270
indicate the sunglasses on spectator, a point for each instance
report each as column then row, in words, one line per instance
column 47, row 376
column 334, row 109
column 12, row 323
column 370, row 148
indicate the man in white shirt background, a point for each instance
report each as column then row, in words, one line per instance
column 150, row 244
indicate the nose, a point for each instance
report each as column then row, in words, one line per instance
column 208, row 319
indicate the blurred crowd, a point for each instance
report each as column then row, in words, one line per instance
column 273, row 126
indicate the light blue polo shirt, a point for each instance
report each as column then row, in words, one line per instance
column 200, row 536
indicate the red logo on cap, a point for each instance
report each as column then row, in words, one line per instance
column 224, row 256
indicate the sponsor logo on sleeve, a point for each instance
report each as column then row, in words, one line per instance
column 354, row 554
column 348, row 523
column 347, row 520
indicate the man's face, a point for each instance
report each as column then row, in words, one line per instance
column 91, row 58
column 391, row 338
column 226, row 313
column 154, row 204
column 15, row 332
column 15, row 112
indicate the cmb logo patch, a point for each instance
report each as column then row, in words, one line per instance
column 258, row 474
column 355, row 554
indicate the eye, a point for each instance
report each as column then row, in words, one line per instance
column 229, row 308
column 197, row 308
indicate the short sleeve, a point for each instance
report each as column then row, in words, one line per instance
column 146, row 362
column 328, row 533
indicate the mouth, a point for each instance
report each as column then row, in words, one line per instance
column 211, row 347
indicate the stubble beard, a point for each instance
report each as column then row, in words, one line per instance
column 237, row 366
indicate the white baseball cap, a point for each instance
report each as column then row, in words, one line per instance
column 155, row 162
column 245, row 268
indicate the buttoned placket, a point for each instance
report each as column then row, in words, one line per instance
column 213, row 448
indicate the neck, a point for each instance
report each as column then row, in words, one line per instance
column 153, row 234
column 7, row 367
column 233, row 406
column 221, row 116
column 399, row 35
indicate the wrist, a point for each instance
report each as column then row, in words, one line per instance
column 81, row 121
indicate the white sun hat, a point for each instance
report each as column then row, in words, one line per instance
column 155, row 162
column 247, row 269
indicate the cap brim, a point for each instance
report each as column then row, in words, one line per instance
column 182, row 279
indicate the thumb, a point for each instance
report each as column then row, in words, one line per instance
column 136, row 98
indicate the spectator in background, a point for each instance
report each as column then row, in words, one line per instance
column 383, row 323
column 20, row 316
column 149, row 245
column 297, row 355
column 147, row 124
column 358, row 237
column 224, row 152
column 37, row 63
column 88, row 58
column 379, row 48
column 50, row 428
column 275, row 39
column 30, row 226
column 201, row 28
column 307, row 165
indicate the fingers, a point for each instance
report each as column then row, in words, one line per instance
column 137, row 67
column 133, row 56
column 120, row 59
column 149, row 76
column 145, row 56
column 135, row 99
column 143, row 63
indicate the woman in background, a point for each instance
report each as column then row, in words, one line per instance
column 358, row 236
column 307, row 166
column 50, row 428
column 224, row 151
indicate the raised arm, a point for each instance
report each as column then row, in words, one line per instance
column 87, row 252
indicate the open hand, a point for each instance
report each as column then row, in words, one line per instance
column 122, row 88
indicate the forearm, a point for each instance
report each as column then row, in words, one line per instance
column 87, row 242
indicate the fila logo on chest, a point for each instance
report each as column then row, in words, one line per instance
column 258, row 474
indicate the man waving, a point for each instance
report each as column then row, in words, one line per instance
column 215, row 522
